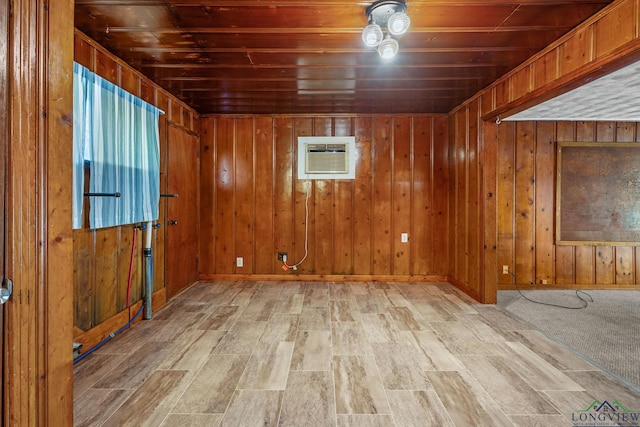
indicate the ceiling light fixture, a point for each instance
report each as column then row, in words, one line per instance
column 389, row 14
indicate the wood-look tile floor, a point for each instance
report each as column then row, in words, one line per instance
column 335, row 354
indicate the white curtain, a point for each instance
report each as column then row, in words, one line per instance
column 116, row 134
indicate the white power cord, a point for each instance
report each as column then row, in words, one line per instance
column 286, row 266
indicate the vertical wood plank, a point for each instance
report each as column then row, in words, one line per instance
column 616, row 28
column 343, row 210
column 625, row 132
column 585, row 264
column 605, row 265
column 106, row 67
column 625, row 255
column 525, row 213
column 585, row 132
column 401, row 195
column 129, row 81
column 106, row 256
column 460, row 181
column 244, row 209
column 624, row 265
column 422, row 237
column 382, row 202
column 363, row 198
column 124, row 238
column 283, row 190
column 473, row 194
column 324, row 233
column 83, row 54
column 173, row 114
column 83, row 279
column 585, row 255
column 489, row 162
column 545, row 160
column 605, row 255
column 506, row 189
column 56, row 312
column 207, row 194
column 265, row 252
column 225, row 207
column 148, row 92
column 441, row 196
column 605, row 131
column 576, row 51
column 565, row 255
column 303, row 126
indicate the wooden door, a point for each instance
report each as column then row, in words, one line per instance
column 4, row 150
column 182, row 212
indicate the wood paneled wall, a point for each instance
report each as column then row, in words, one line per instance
column 526, row 210
column 502, row 185
column 102, row 257
column 253, row 206
column 472, row 239
column 603, row 43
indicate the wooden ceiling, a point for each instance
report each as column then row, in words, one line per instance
column 307, row 56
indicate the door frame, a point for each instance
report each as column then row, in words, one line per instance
column 4, row 150
column 38, row 384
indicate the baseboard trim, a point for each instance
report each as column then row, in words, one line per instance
column 464, row 288
column 324, row 277
column 92, row 337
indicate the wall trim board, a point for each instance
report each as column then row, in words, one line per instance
column 93, row 336
column 467, row 290
column 320, row 115
column 322, row 278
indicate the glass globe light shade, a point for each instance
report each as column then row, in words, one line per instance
column 372, row 35
column 398, row 23
column 388, row 48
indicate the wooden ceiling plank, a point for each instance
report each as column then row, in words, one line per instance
column 259, row 56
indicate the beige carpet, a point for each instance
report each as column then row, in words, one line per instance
column 606, row 332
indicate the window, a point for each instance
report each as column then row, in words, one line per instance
column 117, row 134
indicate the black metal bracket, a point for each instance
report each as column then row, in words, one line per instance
column 101, row 194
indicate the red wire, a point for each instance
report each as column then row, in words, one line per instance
column 133, row 252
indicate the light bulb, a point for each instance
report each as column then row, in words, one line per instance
column 388, row 48
column 372, row 35
column 398, row 23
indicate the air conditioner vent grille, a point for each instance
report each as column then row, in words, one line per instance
column 327, row 158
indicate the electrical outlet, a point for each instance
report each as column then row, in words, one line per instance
column 505, row 269
column 544, row 281
column 281, row 256
column 239, row 262
column 404, row 237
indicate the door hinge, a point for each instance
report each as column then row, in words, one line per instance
column 6, row 290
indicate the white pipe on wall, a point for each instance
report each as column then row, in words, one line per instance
column 148, row 268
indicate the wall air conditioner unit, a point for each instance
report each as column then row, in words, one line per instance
column 326, row 157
